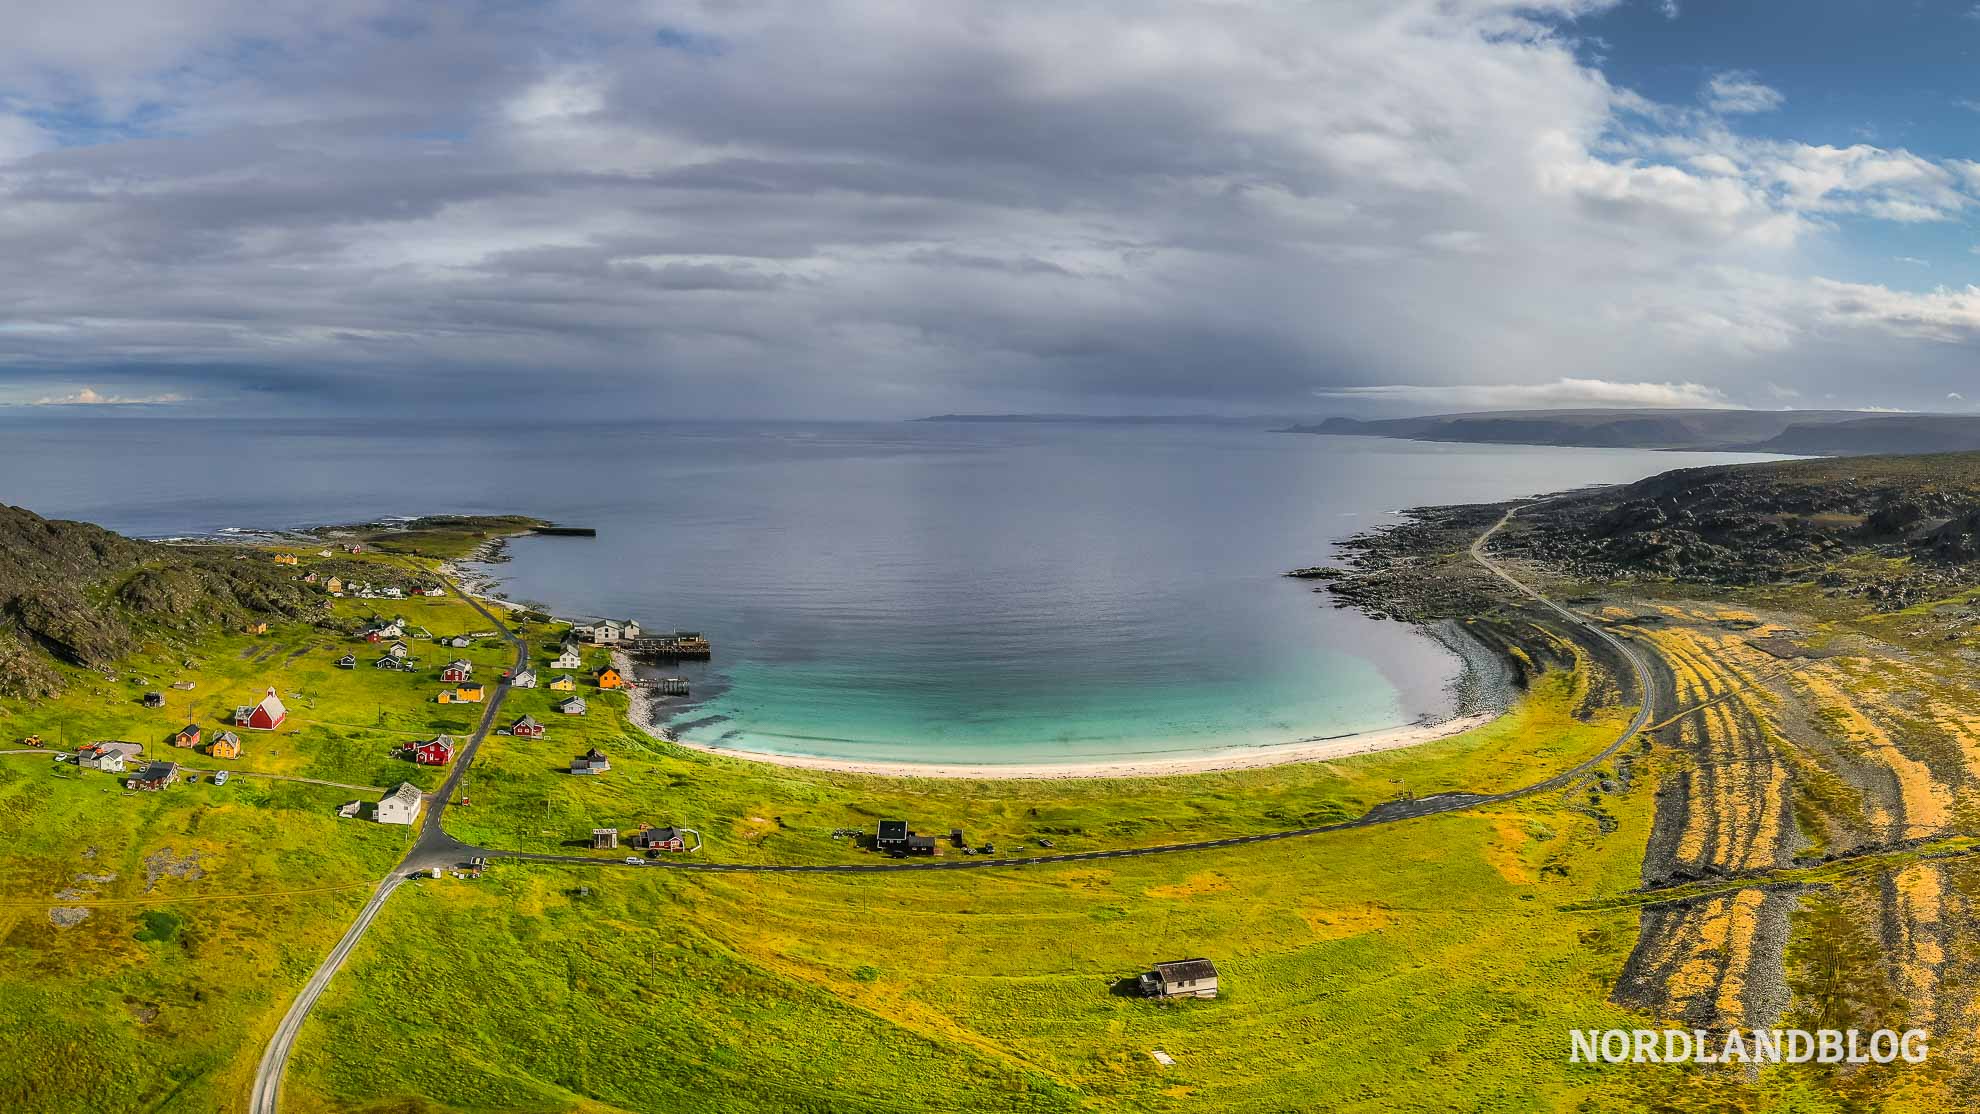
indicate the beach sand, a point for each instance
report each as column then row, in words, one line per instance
column 1236, row 758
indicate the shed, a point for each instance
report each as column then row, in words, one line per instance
column 592, row 761
column 604, row 839
column 154, row 700
column 1181, row 978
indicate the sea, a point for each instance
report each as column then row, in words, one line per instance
column 912, row 592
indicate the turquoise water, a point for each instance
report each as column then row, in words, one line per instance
column 920, row 592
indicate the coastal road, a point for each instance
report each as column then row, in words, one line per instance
column 433, row 847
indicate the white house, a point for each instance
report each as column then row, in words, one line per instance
column 108, row 757
column 568, row 659
column 524, row 680
column 400, row 806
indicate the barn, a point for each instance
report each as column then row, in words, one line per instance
column 265, row 716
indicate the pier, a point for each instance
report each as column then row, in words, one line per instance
column 682, row 645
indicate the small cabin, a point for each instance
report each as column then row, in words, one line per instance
column 257, row 628
column 661, row 839
column 225, row 745
column 604, row 839
column 608, row 678
column 564, row 683
column 524, row 680
column 592, row 761
column 458, row 642
column 399, row 650
column 334, row 585
column 528, row 727
column 573, row 707
column 348, row 661
column 155, row 776
column 1181, row 978
column 285, row 558
column 154, row 700
column 188, row 736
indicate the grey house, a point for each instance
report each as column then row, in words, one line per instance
column 1181, row 978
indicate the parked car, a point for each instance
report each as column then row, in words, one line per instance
column 635, row 860
column 220, row 778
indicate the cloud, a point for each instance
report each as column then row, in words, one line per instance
column 89, row 396
column 1558, row 394
column 1737, row 92
column 852, row 207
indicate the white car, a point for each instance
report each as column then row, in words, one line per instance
column 220, row 778
column 634, row 860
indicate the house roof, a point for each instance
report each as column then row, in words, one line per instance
column 158, row 770
column 405, row 794
column 594, row 755
column 226, row 737
column 528, row 721
column 189, row 729
column 893, row 829
column 1186, row 970
column 272, row 704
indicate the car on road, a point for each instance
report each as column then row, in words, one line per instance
column 635, row 860
column 220, row 778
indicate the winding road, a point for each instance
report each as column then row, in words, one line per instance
column 436, row 848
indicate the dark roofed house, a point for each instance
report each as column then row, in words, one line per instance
column 920, row 844
column 1182, row 978
column 592, row 761
column 154, row 700
column 892, row 836
column 155, row 776
column 660, row 839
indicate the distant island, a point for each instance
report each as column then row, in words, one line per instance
column 1794, row 432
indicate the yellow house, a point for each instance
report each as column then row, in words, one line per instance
column 285, row 558
column 228, row 745
column 257, row 628
column 563, row 684
column 334, row 584
column 463, row 694
column 608, row 678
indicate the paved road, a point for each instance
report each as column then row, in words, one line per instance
column 434, row 847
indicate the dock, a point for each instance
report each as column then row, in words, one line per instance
column 682, row 645
column 670, row 686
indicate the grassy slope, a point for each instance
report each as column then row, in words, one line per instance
column 991, row 991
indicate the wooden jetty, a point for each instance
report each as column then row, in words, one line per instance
column 670, row 686
column 682, row 645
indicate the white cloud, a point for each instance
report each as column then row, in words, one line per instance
column 1559, row 394
column 1738, row 92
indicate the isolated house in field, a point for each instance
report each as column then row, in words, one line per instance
column 608, row 678
column 108, row 757
column 348, row 661
column 567, row 658
column 592, row 761
column 527, row 727
column 225, row 745
column 334, row 585
column 400, row 806
column 659, row 839
column 155, row 776
column 265, row 716
column 460, row 669
column 154, row 700
column 1182, row 978
column 458, row 642
column 435, row 752
column 524, row 680
column 895, row 838
column 604, row 839
column 573, row 707
column 399, row 650
column 188, row 736
column 565, row 683
column 183, row 686
column 470, row 693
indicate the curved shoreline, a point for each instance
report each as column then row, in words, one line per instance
column 1235, row 758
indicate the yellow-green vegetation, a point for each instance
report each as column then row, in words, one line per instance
column 1413, row 966
column 148, row 941
column 524, row 798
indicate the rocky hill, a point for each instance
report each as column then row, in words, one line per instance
column 1794, row 432
column 80, row 594
column 1773, row 523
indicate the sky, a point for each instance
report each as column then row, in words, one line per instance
column 875, row 209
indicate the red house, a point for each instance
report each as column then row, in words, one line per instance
column 457, row 671
column 439, row 752
column 265, row 716
column 527, row 727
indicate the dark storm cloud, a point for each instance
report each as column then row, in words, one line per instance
column 858, row 207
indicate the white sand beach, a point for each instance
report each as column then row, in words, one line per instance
column 1236, row 758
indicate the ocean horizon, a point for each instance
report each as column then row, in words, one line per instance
column 980, row 593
